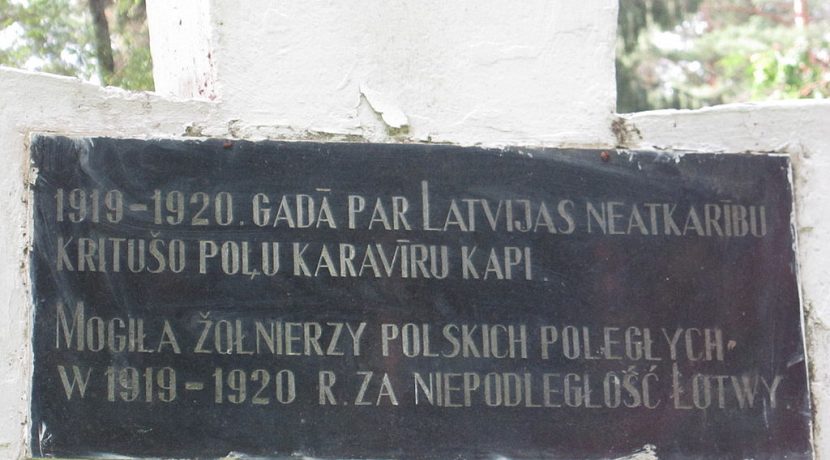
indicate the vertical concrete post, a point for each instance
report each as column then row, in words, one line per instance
column 491, row 72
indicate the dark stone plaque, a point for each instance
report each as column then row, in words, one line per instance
column 278, row 299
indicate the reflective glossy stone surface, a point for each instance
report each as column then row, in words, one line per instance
column 193, row 299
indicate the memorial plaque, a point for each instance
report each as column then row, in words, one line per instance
column 279, row 299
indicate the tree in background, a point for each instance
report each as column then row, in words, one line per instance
column 670, row 53
column 99, row 40
column 694, row 53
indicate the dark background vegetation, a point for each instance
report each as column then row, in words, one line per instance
column 696, row 53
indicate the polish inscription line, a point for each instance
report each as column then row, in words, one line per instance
column 631, row 347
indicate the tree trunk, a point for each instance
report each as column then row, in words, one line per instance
column 802, row 14
column 103, row 45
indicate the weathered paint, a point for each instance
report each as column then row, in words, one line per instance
column 470, row 72
column 181, row 46
column 487, row 73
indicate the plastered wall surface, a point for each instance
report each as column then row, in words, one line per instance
column 487, row 73
column 182, row 60
column 470, row 72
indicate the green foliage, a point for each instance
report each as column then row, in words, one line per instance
column 51, row 36
column 723, row 51
column 671, row 53
column 56, row 36
column 134, row 65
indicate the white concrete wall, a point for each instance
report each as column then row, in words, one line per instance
column 492, row 72
column 181, row 47
column 487, row 72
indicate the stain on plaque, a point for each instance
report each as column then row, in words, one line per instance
column 281, row 299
